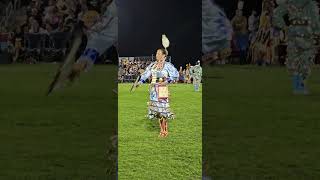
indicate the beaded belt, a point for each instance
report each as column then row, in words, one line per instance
column 157, row 80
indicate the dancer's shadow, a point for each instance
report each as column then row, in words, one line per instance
column 151, row 125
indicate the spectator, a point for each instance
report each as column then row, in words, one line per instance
column 187, row 74
column 48, row 28
column 34, row 25
column 51, row 5
column 181, row 75
column 52, row 17
column 18, row 39
column 239, row 23
column 36, row 15
column 253, row 25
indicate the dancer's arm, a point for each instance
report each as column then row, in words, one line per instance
column 172, row 71
column 146, row 74
column 104, row 33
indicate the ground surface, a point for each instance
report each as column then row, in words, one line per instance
column 254, row 128
column 64, row 136
column 142, row 154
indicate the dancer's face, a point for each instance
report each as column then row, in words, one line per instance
column 160, row 56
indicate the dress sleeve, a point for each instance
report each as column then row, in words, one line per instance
column 146, row 74
column 172, row 71
column 104, row 33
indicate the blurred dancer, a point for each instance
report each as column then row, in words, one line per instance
column 101, row 36
column 216, row 32
column 303, row 33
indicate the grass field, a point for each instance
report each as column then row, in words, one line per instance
column 254, row 128
column 64, row 136
column 142, row 154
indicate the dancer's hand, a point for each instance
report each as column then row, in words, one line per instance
column 139, row 83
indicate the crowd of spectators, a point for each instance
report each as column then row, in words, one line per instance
column 255, row 40
column 131, row 67
column 48, row 17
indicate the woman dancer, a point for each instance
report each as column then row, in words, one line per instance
column 162, row 73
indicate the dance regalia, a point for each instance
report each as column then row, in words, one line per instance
column 216, row 30
column 261, row 48
column 159, row 95
column 252, row 27
column 102, row 35
column 196, row 74
column 302, row 34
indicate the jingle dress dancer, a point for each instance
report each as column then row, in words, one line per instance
column 162, row 73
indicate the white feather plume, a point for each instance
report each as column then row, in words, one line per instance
column 165, row 41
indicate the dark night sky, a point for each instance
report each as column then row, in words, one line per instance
column 142, row 22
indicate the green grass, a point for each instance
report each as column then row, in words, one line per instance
column 64, row 136
column 255, row 128
column 142, row 154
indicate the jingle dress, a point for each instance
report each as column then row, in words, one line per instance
column 159, row 107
